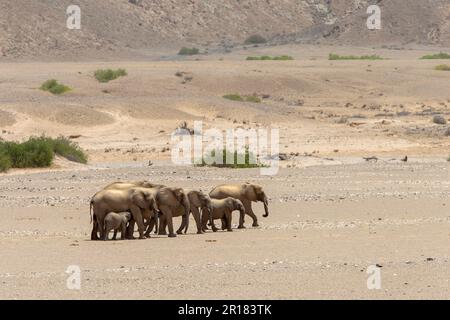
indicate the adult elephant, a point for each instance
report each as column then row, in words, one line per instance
column 134, row 200
column 247, row 193
column 126, row 185
column 198, row 201
column 172, row 202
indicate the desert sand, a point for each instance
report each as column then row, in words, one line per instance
column 332, row 213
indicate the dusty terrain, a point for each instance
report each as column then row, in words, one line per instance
column 332, row 213
column 32, row 29
column 327, row 225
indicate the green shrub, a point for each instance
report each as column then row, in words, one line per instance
column 54, row 87
column 253, row 99
column 33, row 153
column 5, row 161
column 263, row 58
column 238, row 97
column 68, row 149
column 255, row 39
column 440, row 55
column 37, row 152
column 188, row 51
column 442, row 67
column 106, row 75
column 249, row 162
column 233, row 97
column 333, row 56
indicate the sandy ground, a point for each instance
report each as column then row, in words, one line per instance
column 333, row 214
column 327, row 225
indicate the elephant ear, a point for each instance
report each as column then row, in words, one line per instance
column 179, row 194
column 250, row 192
column 138, row 198
column 153, row 204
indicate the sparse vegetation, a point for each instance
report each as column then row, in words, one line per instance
column 264, row 58
column 255, row 39
column 253, row 99
column 106, row 75
column 188, row 51
column 238, row 97
column 54, row 87
column 250, row 160
column 440, row 55
column 333, row 56
column 37, row 152
column 233, row 97
column 442, row 67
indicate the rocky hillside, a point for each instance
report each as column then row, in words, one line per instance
column 30, row 28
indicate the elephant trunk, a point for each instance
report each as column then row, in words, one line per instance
column 266, row 208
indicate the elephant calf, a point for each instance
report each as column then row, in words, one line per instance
column 117, row 222
column 222, row 209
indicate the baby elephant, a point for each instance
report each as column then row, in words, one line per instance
column 222, row 209
column 116, row 222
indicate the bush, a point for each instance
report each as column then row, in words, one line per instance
column 38, row 152
column 333, row 56
column 255, row 39
column 249, row 162
column 442, row 67
column 106, row 75
column 237, row 97
column 233, row 97
column 263, row 58
column 68, row 149
column 439, row 55
column 54, row 87
column 253, row 99
column 188, row 51
column 5, row 161
column 33, row 153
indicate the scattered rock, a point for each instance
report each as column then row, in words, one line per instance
column 439, row 120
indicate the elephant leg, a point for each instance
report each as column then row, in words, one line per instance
column 249, row 211
column 106, row 232
column 213, row 226
column 101, row 224
column 224, row 223
column 228, row 218
column 94, row 233
column 130, row 230
column 162, row 225
column 168, row 218
column 183, row 224
column 137, row 216
column 115, row 234
column 204, row 221
column 196, row 214
column 123, row 231
column 150, row 227
column 157, row 218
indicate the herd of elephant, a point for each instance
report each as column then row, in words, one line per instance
column 121, row 205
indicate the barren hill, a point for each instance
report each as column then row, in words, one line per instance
column 30, row 28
